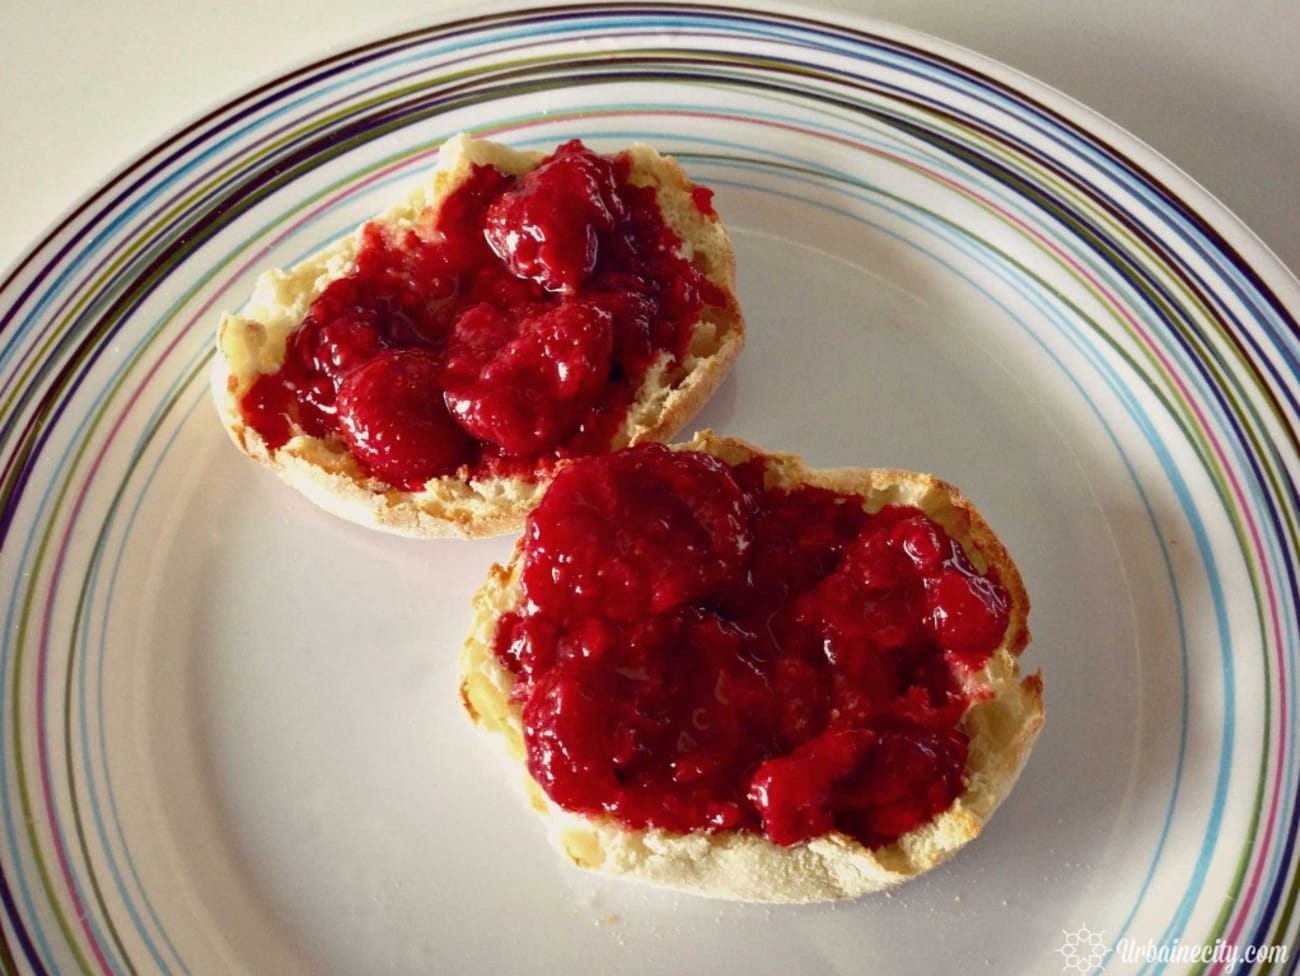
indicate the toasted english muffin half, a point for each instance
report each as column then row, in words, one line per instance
column 254, row 343
column 1002, row 720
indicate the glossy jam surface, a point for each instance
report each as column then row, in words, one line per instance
column 699, row 652
column 511, row 329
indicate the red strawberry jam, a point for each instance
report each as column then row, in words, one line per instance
column 522, row 383
column 697, row 651
column 512, row 329
column 390, row 422
column 548, row 227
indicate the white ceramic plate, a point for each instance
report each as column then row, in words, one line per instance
column 230, row 736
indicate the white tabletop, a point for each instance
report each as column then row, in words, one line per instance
column 1211, row 84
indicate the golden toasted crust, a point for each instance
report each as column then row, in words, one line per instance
column 1002, row 724
column 253, row 342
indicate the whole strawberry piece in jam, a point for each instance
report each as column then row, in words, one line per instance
column 342, row 346
column 908, row 777
column 967, row 613
column 392, row 414
column 528, row 391
column 548, row 227
column 570, row 731
column 638, row 532
column 793, row 793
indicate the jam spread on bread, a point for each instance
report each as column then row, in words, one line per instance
column 698, row 651
column 511, row 329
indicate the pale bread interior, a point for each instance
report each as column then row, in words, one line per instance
column 1002, row 726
